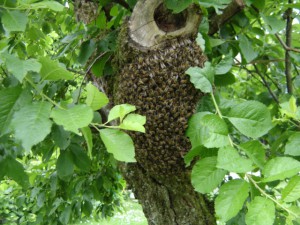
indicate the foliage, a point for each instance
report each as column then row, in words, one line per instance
column 251, row 126
column 56, row 153
column 55, row 168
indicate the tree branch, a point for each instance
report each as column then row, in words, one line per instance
column 286, row 48
column 288, row 63
column 266, row 84
column 231, row 10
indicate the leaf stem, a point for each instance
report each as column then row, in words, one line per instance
column 269, row 197
column 220, row 115
column 42, row 94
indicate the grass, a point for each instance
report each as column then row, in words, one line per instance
column 132, row 215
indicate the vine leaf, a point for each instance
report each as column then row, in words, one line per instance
column 230, row 160
column 292, row 146
column 231, row 198
column 251, row 118
column 202, row 78
column 261, row 211
column 208, row 130
column 73, row 118
column 119, row 144
column 32, row 124
column 292, row 191
column 14, row 21
column 51, row 70
column 206, row 176
column 134, row 122
column 280, row 168
column 95, row 99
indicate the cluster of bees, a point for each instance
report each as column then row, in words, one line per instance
column 156, row 83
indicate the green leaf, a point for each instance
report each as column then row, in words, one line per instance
column 55, row 6
column 231, row 198
column 280, row 168
column 80, row 158
column 246, row 48
column 134, row 122
column 255, row 151
column 177, row 5
column 274, row 24
column 87, row 133
column 215, row 42
column 261, row 211
column 20, row 68
column 188, row 158
column 206, row 176
column 290, row 108
column 292, row 146
column 35, row 127
column 216, row 4
column 14, row 170
column 208, row 130
column 224, row 65
column 292, row 191
column 202, row 78
column 61, row 137
column 14, row 21
column 119, row 144
column 99, row 65
column 86, row 50
column 51, row 70
column 251, row 118
column 200, row 41
column 120, row 111
column 64, row 165
column 65, row 215
column 9, row 99
column 230, row 160
column 225, row 79
column 73, row 118
column 95, row 99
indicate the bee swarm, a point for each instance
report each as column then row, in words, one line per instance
column 154, row 80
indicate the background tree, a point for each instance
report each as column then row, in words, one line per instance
column 244, row 135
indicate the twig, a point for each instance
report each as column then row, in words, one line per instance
column 288, row 62
column 266, row 84
column 285, row 46
column 87, row 72
column 231, row 10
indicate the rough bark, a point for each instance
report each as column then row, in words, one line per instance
column 170, row 200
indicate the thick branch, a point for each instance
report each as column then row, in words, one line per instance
column 288, row 63
column 231, row 10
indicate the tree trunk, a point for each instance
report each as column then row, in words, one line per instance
column 171, row 200
column 155, row 49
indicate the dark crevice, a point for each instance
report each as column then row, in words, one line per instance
column 167, row 21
